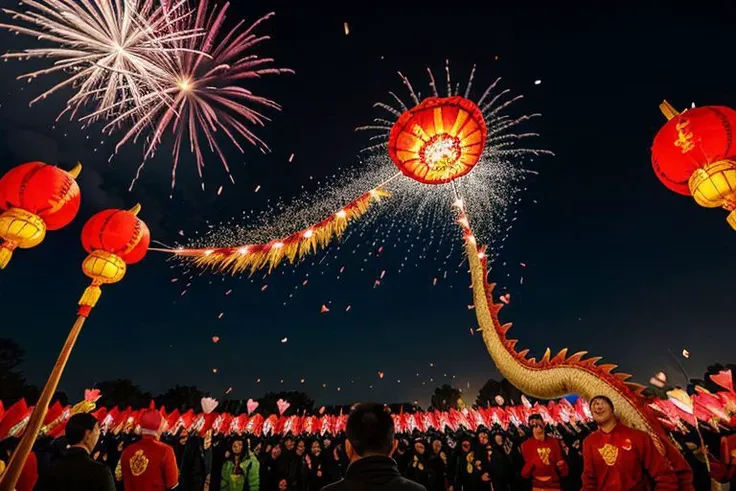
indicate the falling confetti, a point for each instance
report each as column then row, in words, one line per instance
column 219, row 191
column 347, row 28
column 324, row 309
column 347, row 309
column 505, row 298
column 283, row 340
column 258, row 188
column 220, row 315
column 380, row 374
column 291, row 157
column 215, row 339
column 685, row 353
column 229, row 389
column 214, row 370
column 537, row 82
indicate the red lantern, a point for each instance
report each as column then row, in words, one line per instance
column 35, row 197
column 439, row 140
column 113, row 239
column 694, row 154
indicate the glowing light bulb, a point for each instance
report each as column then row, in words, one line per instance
column 341, row 214
column 278, row 245
column 243, row 251
column 208, row 252
column 308, row 233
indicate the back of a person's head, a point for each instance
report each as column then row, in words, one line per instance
column 77, row 426
column 370, row 429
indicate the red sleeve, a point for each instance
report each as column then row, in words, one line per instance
column 561, row 464
column 171, row 472
column 590, row 483
column 526, row 470
column 29, row 474
column 658, row 468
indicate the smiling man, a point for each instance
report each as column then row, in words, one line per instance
column 617, row 458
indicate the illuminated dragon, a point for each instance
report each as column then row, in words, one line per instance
column 556, row 376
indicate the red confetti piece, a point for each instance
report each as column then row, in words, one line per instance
column 324, row 309
column 263, row 288
column 380, row 374
column 342, row 268
column 215, row 339
column 505, row 298
column 383, row 273
column 219, row 191
column 304, row 282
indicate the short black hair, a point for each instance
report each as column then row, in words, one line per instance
column 370, row 429
column 603, row 398
column 535, row 416
column 77, row 426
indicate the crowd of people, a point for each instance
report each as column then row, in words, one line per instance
column 603, row 455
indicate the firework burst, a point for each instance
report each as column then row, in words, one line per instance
column 110, row 51
column 198, row 94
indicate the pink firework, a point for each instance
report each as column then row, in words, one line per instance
column 200, row 95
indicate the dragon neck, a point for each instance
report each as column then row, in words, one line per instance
column 552, row 377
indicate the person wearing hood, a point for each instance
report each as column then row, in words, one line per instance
column 437, row 465
column 370, row 441
column 241, row 470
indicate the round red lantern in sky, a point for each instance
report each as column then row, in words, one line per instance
column 35, row 197
column 691, row 140
column 694, row 154
column 113, row 239
column 439, row 140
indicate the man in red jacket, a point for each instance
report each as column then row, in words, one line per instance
column 617, row 458
column 543, row 458
column 149, row 465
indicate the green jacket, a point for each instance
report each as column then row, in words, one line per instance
column 251, row 475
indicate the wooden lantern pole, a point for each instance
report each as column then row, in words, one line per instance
column 103, row 267
column 18, row 460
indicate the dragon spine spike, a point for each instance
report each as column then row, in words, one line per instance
column 560, row 357
column 622, row 376
column 545, row 358
column 505, row 328
column 608, row 367
column 593, row 360
column 523, row 353
column 575, row 358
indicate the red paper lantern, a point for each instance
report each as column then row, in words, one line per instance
column 694, row 154
column 35, row 197
column 113, row 239
column 439, row 140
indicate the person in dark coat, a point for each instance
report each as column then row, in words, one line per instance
column 76, row 471
column 370, row 441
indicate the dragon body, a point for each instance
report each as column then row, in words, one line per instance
column 556, row 376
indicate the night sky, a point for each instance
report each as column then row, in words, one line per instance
column 615, row 263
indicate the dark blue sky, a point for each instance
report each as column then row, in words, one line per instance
column 615, row 263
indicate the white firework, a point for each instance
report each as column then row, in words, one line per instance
column 109, row 50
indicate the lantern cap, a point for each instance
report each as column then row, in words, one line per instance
column 74, row 172
column 668, row 111
column 136, row 209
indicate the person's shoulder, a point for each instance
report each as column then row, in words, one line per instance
column 408, row 485
column 336, row 486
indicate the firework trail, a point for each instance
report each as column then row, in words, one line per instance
column 488, row 192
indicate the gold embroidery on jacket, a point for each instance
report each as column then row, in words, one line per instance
column 609, row 453
column 138, row 463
